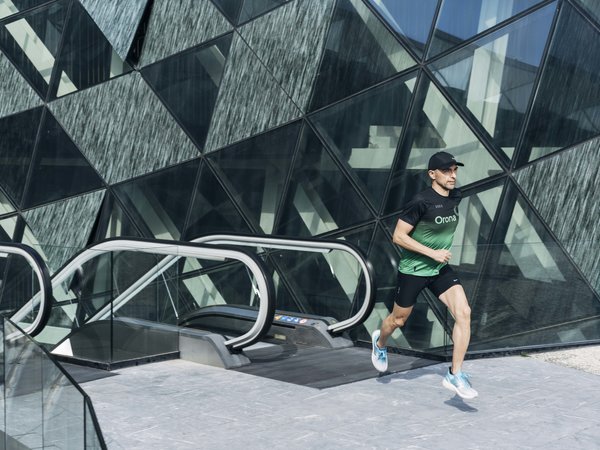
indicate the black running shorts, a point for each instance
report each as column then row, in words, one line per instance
column 409, row 286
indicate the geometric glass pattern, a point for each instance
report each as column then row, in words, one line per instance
column 9, row 8
column 240, row 11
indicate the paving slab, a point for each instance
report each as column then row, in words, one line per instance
column 524, row 403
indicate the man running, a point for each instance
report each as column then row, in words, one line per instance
column 425, row 230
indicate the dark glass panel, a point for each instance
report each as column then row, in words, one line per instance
column 254, row 8
column 592, row 7
column 59, row 169
column 364, row 132
column 86, row 58
column 320, row 198
column 31, row 42
column 493, row 77
column 159, row 202
column 6, row 206
column 567, row 103
column 528, row 284
column 189, row 83
column 11, row 7
column 7, row 228
column 113, row 221
column 459, row 20
column 409, row 19
column 359, row 52
column 212, row 210
column 255, row 172
column 231, row 9
column 19, row 284
column 435, row 126
column 16, row 148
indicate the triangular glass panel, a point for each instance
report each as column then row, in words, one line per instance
column 529, row 286
column 187, row 23
column 16, row 148
column 409, row 19
column 359, row 52
column 6, row 206
column 364, row 131
column 59, row 170
column 159, row 203
column 320, row 198
column 255, row 171
column 188, row 84
column 230, row 8
column 11, row 7
column 592, row 7
column 16, row 93
column 31, row 41
column 566, row 109
column 113, row 221
column 571, row 212
column 86, row 58
column 117, row 23
column 7, row 228
column 493, row 77
column 254, row 8
column 212, row 209
column 435, row 126
column 459, row 20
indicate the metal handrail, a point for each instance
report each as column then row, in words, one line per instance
column 41, row 270
column 173, row 251
column 309, row 245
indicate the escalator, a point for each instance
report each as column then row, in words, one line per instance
column 286, row 309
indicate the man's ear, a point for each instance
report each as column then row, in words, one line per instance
column 431, row 174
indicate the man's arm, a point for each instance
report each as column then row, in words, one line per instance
column 402, row 238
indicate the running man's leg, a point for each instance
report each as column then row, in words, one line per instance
column 397, row 318
column 456, row 301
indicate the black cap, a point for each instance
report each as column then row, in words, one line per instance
column 442, row 160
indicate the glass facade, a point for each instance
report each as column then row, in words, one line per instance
column 284, row 118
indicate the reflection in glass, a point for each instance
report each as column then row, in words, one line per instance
column 359, row 52
column 31, row 42
column 320, row 198
column 592, row 7
column 240, row 11
column 159, row 202
column 16, row 148
column 19, row 284
column 59, row 169
column 459, row 20
column 10, row 7
column 365, row 130
column 212, row 209
column 188, row 84
column 567, row 104
column 113, row 221
column 6, row 207
column 493, row 77
column 87, row 58
column 255, row 171
column 7, row 228
column 436, row 126
column 409, row 19
column 529, row 284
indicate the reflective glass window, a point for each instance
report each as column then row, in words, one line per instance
column 59, row 169
column 231, row 9
column 364, row 131
column 87, row 58
column 320, row 198
column 592, row 7
column 10, row 7
column 113, row 221
column 255, row 171
column 409, row 19
column 6, row 206
column 240, row 11
column 7, row 228
column 359, row 52
column 436, row 126
column 458, row 20
column 31, row 42
column 493, row 77
column 16, row 148
column 567, row 103
column 188, row 84
column 159, row 202
column 528, row 284
column 212, row 209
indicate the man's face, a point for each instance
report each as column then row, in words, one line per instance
column 445, row 178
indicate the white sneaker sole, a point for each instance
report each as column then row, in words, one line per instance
column 454, row 389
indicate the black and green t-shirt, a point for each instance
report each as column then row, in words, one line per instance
column 434, row 218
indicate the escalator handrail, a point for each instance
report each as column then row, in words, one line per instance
column 43, row 276
column 173, row 251
column 311, row 245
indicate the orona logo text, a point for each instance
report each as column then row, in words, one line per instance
column 439, row 219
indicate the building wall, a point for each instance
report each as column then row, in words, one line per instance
column 173, row 119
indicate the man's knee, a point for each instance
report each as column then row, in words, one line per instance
column 463, row 314
column 397, row 319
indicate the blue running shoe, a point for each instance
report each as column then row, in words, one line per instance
column 459, row 383
column 378, row 355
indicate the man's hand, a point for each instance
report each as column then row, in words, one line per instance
column 441, row 256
